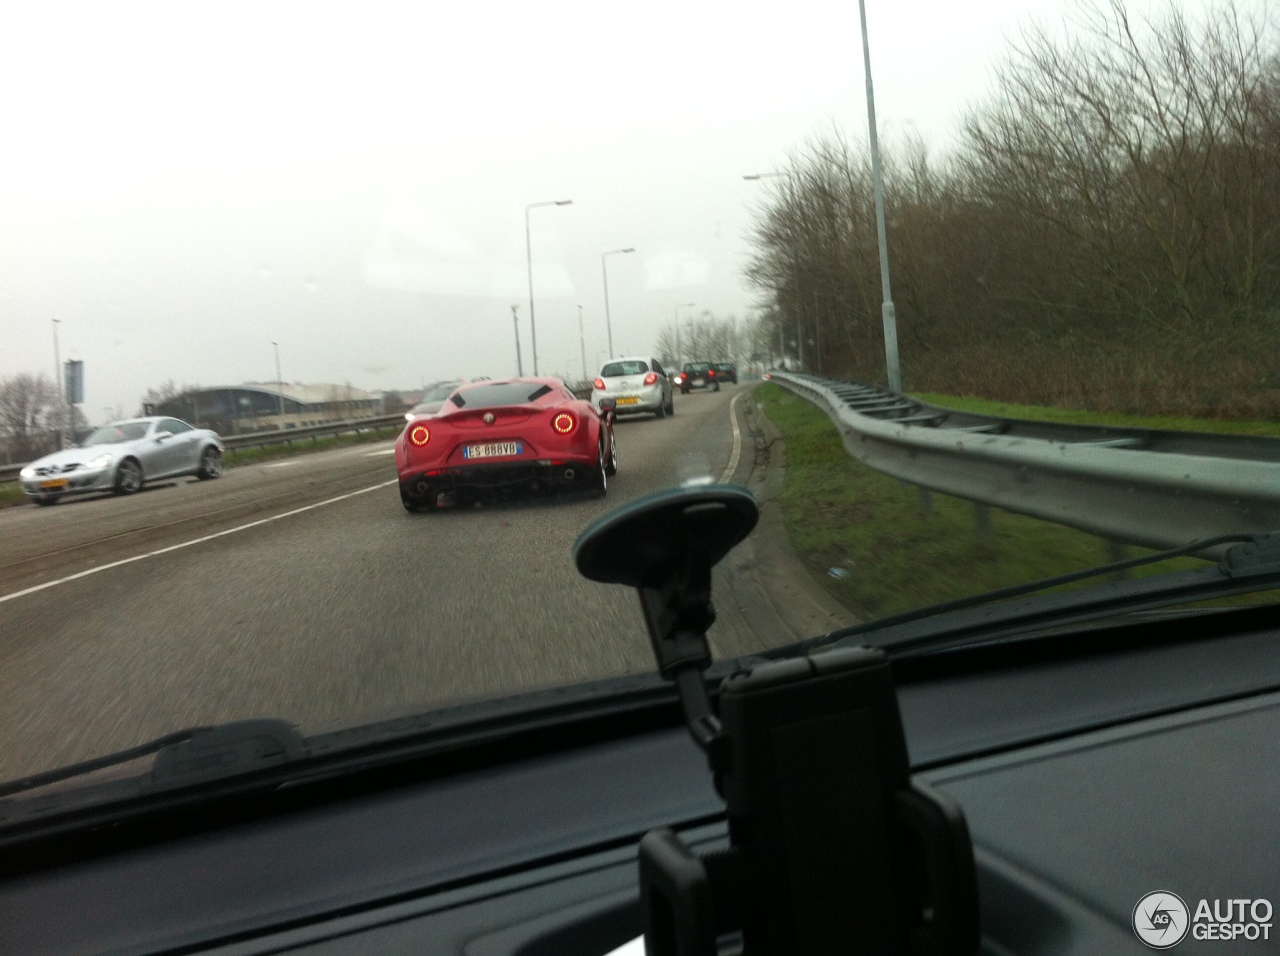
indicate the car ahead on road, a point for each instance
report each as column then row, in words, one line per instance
column 698, row 375
column 122, row 457
column 432, row 399
column 523, row 434
column 636, row 385
column 726, row 372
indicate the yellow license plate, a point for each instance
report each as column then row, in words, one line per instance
column 54, row 483
column 628, row 401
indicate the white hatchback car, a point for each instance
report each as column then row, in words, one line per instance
column 637, row 385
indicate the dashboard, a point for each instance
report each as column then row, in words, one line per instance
column 1094, row 768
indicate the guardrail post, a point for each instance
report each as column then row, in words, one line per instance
column 1118, row 551
column 926, row 499
column 982, row 521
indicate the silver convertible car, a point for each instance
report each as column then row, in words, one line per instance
column 121, row 456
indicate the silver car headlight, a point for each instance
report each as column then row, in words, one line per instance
column 100, row 462
column 27, row 472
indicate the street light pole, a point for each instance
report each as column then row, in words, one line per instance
column 279, row 384
column 528, row 251
column 605, row 273
column 582, row 345
column 515, row 321
column 887, row 312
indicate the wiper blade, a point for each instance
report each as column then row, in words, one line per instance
column 195, row 755
column 1253, row 564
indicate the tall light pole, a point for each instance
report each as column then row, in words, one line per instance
column 605, row 273
column 57, row 383
column 279, row 383
column 582, row 344
column 528, row 251
column 515, row 321
column 886, row 307
column 685, row 305
column 756, row 177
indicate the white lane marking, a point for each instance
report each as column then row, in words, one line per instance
column 187, row 544
column 737, row 441
column 280, row 464
column 383, row 451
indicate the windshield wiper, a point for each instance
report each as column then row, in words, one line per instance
column 196, row 755
column 1252, row 564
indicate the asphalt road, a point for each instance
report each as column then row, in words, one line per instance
column 303, row 590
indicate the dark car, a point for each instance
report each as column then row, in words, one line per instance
column 698, row 375
column 726, row 372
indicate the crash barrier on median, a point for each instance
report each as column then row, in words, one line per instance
column 1142, row 486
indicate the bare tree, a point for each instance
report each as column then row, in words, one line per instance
column 30, row 416
column 1106, row 235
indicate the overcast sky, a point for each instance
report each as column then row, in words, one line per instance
column 182, row 184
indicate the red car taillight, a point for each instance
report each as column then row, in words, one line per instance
column 598, row 385
column 651, row 378
column 711, row 373
column 419, row 435
column 564, row 423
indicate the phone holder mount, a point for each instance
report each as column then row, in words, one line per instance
column 832, row 847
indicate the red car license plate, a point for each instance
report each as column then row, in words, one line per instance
column 501, row 449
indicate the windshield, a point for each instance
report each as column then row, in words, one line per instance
column 111, row 434
column 614, row 369
column 1032, row 326
column 499, row 393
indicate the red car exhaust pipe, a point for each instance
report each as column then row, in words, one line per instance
column 570, row 474
column 423, row 487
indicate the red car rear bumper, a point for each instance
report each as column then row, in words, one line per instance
column 530, row 475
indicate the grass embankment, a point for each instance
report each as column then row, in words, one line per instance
column 11, row 492
column 840, row 514
column 1047, row 413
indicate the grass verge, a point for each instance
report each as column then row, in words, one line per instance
column 1049, row 413
column 840, row 514
column 11, row 492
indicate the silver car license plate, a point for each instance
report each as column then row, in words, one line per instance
column 502, row 449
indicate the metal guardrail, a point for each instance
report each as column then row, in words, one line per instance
column 1138, row 485
column 287, row 436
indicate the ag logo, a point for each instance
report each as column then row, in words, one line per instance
column 1161, row 919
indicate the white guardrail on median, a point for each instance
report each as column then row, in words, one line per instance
column 1120, row 483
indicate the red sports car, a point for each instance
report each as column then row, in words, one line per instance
column 521, row 434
